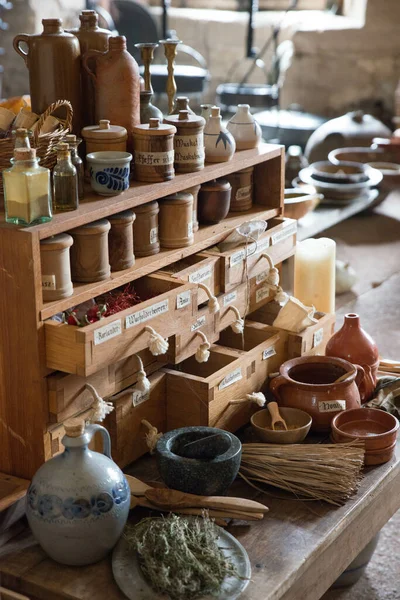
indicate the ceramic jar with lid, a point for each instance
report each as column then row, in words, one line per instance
column 219, row 143
column 213, row 201
column 153, row 151
column 145, row 230
column 56, row 267
column 120, row 241
column 175, row 221
column 242, row 189
column 244, row 128
column 181, row 103
column 89, row 253
column 188, row 141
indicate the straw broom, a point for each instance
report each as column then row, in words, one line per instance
column 328, row 472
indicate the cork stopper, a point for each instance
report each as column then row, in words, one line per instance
column 21, row 132
column 88, row 18
column 104, row 124
column 70, row 137
column 154, row 123
column 183, row 115
column 24, row 153
column 215, row 111
column 63, row 150
column 74, row 427
column 52, row 25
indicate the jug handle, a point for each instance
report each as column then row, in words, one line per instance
column 365, row 382
column 92, row 429
column 85, row 61
column 22, row 37
column 276, row 383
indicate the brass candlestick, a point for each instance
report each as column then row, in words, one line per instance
column 170, row 54
column 147, row 55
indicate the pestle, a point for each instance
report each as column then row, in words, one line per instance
column 205, row 448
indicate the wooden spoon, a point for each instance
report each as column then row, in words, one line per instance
column 346, row 375
column 275, row 415
column 174, row 499
column 224, row 514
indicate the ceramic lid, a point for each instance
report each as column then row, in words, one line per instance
column 185, row 119
column 216, row 185
column 100, row 226
column 104, row 131
column 127, row 216
column 178, row 198
column 154, row 127
column 56, row 242
column 147, row 207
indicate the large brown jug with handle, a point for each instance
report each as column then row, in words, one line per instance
column 310, row 383
column 117, row 83
column 54, row 65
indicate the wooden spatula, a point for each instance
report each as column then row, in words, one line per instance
column 276, row 415
column 171, row 499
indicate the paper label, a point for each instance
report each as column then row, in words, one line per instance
column 154, row 235
column 183, row 299
column 261, row 277
column 154, row 158
column 229, row 298
column 190, row 229
column 189, row 148
column 318, row 337
column 243, row 193
column 146, row 314
column 253, row 248
column 107, row 332
column 139, row 397
column 49, row 282
column 230, row 379
column 262, row 293
column 201, row 275
column 286, row 232
column 268, row 353
column 199, row 323
column 237, row 258
column 331, row 406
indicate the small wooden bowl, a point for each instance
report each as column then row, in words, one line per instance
column 293, row 416
column 299, row 202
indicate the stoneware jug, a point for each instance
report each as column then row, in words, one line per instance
column 308, row 383
column 354, row 344
column 117, row 83
column 78, row 501
column 219, row 143
column 53, row 59
column 244, row 128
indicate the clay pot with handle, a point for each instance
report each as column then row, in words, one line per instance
column 309, row 383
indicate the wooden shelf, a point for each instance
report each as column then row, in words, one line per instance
column 206, row 236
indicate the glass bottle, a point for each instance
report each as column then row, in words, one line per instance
column 27, row 189
column 73, row 143
column 22, row 136
column 65, row 181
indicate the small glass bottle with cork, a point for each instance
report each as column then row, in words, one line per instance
column 73, row 143
column 22, row 138
column 65, row 181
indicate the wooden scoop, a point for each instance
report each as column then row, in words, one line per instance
column 275, row 415
column 171, row 499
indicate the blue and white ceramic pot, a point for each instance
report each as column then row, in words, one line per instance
column 109, row 172
column 219, row 144
column 244, row 128
column 78, row 502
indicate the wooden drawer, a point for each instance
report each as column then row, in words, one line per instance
column 128, row 435
column 186, row 342
column 55, row 433
column 85, row 350
column 279, row 241
column 198, row 268
column 68, row 396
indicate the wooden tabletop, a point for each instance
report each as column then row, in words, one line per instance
column 296, row 552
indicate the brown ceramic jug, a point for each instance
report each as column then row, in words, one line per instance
column 53, row 61
column 117, row 83
column 308, row 383
column 354, row 344
column 91, row 37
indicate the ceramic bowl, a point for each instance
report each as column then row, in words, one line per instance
column 341, row 190
column 293, row 416
column 342, row 172
column 298, row 202
column 361, row 155
column 109, row 172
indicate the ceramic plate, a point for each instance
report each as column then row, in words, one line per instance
column 130, row 580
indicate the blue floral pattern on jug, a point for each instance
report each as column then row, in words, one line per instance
column 113, row 178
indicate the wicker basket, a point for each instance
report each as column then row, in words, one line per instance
column 44, row 144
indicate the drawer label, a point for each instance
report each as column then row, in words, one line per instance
column 107, row 332
column 154, row 235
column 262, row 293
column 230, row 379
column 189, row 148
column 253, row 248
column 331, row 405
column 199, row 323
column 229, row 298
column 261, row 277
column 268, row 352
column 146, row 314
column 318, row 337
column 286, row 232
column 243, row 193
column 154, row 158
column 49, row 282
column 237, row 257
column 183, row 299
column 201, row 275
column 139, row 397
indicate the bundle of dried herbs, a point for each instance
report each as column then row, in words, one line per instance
column 180, row 556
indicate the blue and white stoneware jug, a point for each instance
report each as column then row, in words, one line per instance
column 78, row 501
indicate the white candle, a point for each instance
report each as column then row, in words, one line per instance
column 314, row 273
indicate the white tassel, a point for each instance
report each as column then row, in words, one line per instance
column 257, row 397
column 280, row 296
column 202, row 353
column 152, row 436
column 273, row 275
column 100, row 408
column 213, row 304
column 238, row 325
column 143, row 384
column 157, row 344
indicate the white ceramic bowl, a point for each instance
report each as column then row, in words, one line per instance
column 109, row 172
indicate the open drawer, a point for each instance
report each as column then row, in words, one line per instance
column 198, row 268
column 85, row 350
column 279, row 242
column 187, row 341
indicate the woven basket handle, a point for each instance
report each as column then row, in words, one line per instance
column 52, row 108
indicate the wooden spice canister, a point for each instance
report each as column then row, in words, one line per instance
column 194, row 190
column 242, row 189
column 105, row 136
column 188, row 141
column 214, row 201
column 153, row 150
column 89, row 253
column 145, row 230
column 176, row 225
column 56, row 267
column 120, row 241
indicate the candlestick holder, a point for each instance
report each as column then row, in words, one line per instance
column 170, row 51
column 147, row 55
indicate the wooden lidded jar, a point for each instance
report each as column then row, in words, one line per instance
column 242, row 189
column 195, row 193
column 120, row 241
column 176, row 224
column 214, row 201
column 153, row 150
column 188, row 141
column 105, row 136
column 56, row 268
column 89, row 254
column 145, row 230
